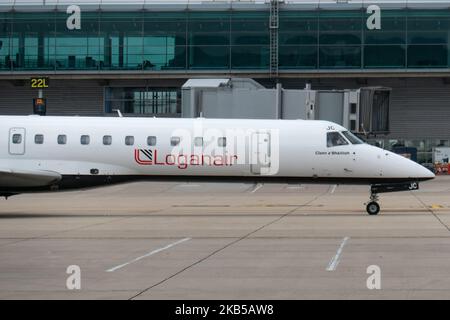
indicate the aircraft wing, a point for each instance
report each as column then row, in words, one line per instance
column 27, row 178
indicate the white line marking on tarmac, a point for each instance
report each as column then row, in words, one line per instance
column 335, row 261
column 334, row 189
column 256, row 188
column 148, row 254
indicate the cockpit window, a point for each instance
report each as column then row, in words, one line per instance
column 352, row 138
column 335, row 139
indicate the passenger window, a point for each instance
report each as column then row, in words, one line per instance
column 129, row 140
column 151, row 141
column 174, row 141
column 39, row 139
column 334, row 139
column 198, row 142
column 62, row 139
column 17, row 138
column 222, row 142
column 85, row 140
column 107, row 140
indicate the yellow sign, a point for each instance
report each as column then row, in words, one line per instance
column 40, row 83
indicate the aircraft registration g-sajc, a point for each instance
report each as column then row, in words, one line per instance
column 40, row 154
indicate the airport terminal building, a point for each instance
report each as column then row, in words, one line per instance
column 136, row 55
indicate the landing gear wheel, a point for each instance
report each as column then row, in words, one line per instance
column 373, row 208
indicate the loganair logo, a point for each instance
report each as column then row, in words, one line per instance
column 148, row 157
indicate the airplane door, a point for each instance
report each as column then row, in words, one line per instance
column 260, row 152
column 17, row 141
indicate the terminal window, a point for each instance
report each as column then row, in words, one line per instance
column 188, row 40
column 144, row 101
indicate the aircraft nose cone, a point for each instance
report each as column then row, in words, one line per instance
column 420, row 172
column 427, row 174
column 406, row 168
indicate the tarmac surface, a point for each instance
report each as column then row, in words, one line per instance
column 226, row 241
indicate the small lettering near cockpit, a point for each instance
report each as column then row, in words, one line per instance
column 335, row 153
column 332, row 153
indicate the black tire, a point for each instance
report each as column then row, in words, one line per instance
column 373, row 208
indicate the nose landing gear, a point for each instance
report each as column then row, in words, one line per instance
column 373, row 208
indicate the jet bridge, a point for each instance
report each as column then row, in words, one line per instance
column 364, row 110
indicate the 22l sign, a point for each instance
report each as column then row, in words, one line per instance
column 40, row 83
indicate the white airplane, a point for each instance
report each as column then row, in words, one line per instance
column 40, row 154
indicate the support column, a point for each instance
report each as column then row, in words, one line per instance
column 41, row 51
column 279, row 102
column 20, row 60
column 121, row 42
column 107, row 44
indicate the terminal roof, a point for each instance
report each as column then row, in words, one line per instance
column 211, row 5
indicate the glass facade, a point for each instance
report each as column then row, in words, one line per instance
column 143, row 101
column 224, row 40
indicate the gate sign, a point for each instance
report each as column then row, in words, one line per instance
column 40, row 83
